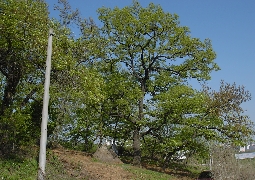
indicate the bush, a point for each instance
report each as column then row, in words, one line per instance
column 226, row 166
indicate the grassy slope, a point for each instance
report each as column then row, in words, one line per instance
column 65, row 164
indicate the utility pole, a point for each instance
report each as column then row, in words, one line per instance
column 43, row 140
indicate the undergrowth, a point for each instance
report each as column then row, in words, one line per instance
column 25, row 166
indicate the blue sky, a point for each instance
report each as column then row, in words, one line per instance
column 229, row 24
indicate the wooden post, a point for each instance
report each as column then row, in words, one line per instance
column 43, row 140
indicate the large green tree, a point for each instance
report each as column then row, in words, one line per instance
column 24, row 27
column 23, row 42
column 157, row 52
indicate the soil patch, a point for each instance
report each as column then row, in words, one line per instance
column 89, row 168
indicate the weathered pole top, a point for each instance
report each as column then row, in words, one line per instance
column 51, row 32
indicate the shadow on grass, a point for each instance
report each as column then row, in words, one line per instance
column 174, row 169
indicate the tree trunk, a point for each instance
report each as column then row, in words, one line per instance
column 6, row 140
column 9, row 92
column 137, row 148
column 136, row 135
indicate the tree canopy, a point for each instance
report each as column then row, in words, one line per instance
column 157, row 52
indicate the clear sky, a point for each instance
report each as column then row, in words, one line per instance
column 230, row 24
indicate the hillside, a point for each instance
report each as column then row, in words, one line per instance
column 64, row 164
column 80, row 165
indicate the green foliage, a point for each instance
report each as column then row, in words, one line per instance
column 79, row 144
column 76, row 83
column 159, row 57
column 148, row 41
column 24, row 33
column 172, row 128
column 24, row 28
column 128, row 81
column 224, row 107
column 121, row 99
column 157, row 54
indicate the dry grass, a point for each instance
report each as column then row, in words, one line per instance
column 83, row 166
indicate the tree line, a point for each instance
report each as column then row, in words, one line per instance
column 128, row 80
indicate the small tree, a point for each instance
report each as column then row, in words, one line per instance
column 228, row 122
column 224, row 163
column 226, row 166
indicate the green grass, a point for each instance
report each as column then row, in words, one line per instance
column 141, row 173
column 25, row 166
column 14, row 168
